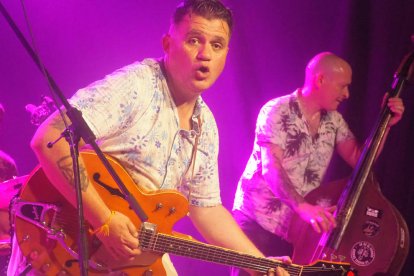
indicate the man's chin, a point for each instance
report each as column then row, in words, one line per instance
column 200, row 86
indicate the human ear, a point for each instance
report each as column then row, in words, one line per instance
column 319, row 80
column 166, row 42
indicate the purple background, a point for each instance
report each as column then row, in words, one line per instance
column 81, row 41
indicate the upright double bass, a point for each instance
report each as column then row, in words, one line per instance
column 371, row 234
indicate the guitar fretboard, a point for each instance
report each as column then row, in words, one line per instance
column 164, row 243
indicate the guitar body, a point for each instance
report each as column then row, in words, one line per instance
column 48, row 256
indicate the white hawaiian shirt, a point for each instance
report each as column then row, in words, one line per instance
column 135, row 120
column 305, row 159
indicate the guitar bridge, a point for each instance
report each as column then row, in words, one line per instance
column 147, row 236
column 44, row 216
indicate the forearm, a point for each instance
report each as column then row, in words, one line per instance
column 281, row 185
column 219, row 228
column 276, row 176
column 57, row 164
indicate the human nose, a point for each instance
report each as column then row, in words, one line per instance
column 346, row 93
column 204, row 52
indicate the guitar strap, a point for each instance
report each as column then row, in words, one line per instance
column 194, row 154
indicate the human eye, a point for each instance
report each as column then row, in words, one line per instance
column 193, row 41
column 217, row 46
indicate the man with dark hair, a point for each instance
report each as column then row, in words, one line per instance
column 295, row 137
column 151, row 118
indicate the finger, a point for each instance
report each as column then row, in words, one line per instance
column 331, row 209
column 384, row 99
column 397, row 111
column 323, row 224
column 283, row 259
column 132, row 229
column 131, row 254
column 132, row 240
column 286, row 260
column 396, row 103
column 330, row 218
column 281, row 272
column 315, row 226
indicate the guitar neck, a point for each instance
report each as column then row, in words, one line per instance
column 188, row 248
column 150, row 240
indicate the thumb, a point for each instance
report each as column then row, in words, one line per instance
column 132, row 229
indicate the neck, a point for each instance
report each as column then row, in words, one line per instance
column 181, row 98
column 308, row 103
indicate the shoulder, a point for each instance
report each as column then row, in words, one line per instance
column 279, row 105
column 334, row 117
column 141, row 69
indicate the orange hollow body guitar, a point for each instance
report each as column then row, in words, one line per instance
column 46, row 227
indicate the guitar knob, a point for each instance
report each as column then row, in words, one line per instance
column 148, row 273
column 158, row 206
column 33, row 255
column 45, row 268
column 172, row 211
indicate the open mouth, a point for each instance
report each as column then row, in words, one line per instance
column 204, row 69
column 202, row 72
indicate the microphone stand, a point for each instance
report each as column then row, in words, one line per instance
column 78, row 129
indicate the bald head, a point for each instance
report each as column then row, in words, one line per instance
column 325, row 64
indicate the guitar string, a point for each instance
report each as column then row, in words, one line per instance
column 165, row 240
column 171, row 244
column 199, row 250
column 214, row 253
column 174, row 245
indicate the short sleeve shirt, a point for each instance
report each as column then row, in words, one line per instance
column 305, row 159
column 135, row 120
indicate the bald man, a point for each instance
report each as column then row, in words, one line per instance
column 294, row 141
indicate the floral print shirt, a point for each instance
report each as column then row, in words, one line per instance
column 135, row 120
column 305, row 159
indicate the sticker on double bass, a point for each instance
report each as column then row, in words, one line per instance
column 370, row 228
column 363, row 253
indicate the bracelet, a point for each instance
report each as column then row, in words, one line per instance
column 104, row 228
